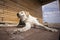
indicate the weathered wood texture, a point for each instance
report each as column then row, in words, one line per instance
column 9, row 9
column 32, row 34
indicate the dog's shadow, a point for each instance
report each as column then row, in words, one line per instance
column 21, row 24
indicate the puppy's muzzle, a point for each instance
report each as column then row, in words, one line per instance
column 18, row 15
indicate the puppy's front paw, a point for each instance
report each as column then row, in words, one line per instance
column 15, row 32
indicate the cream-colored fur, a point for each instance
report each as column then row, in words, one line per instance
column 31, row 21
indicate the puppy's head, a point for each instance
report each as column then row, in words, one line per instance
column 23, row 14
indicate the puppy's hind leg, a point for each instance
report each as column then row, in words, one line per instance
column 50, row 29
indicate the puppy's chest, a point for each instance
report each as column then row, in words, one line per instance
column 30, row 20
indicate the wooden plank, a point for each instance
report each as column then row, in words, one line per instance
column 11, row 9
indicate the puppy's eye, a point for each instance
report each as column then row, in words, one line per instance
column 21, row 12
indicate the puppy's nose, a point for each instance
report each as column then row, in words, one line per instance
column 18, row 15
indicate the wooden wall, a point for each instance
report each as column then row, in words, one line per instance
column 9, row 9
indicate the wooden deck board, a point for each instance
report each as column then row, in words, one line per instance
column 32, row 34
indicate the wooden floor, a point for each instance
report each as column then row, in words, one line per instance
column 32, row 34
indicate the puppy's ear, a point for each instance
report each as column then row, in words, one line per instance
column 27, row 14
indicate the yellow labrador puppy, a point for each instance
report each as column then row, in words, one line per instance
column 30, row 21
